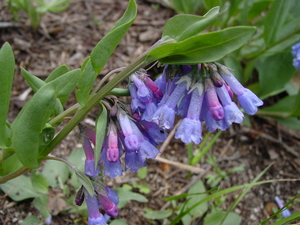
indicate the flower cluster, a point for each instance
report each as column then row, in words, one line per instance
column 197, row 93
column 296, row 54
column 103, row 197
column 131, row 137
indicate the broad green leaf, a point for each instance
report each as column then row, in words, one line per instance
column 283, row 108
column 291, row 122
column 31, row 121
column 257, row 8
column 181, row 27
column 275, row 19
column 126, row 196
column 40, row 183
column 41, row 204
column 118, row 222
column 192, row 200
column 31, row 220
column 77, row 158
column 9, row 165
column 101, row 124
column 86, row 82
column 207, row 47
column 216, row 219
column 208, row 4
column 19, row 188
column 55, row 172
column 296, row 109
column 29, row 124
column 274, row 72
column 107, row 45
column 7, row 62
column 57, row 72
column 142, row 172
column 157, row 214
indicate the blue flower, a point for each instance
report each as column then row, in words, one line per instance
column 296, row 54
column 190, row 128
column 285, row 213
column 248, row 100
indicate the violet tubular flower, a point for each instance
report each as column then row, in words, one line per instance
column 190, row 128
column 285, row 212
column 248, row 100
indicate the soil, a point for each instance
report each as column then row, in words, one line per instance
column 68, row 38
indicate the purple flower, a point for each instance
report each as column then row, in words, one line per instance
column 248, row 100
column 131, row 141
column 215, row 107
column 285, row 213
column 296, row 54
column 111, row 169
column 190, row 128
column 95, row 217
column 165, row 114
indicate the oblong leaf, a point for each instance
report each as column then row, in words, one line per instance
column 7, row 62
column 207, row 47
column 275, row 19
column 86, row 82
column 101, row 125
column 31, row 121
column 57, row 72
column 107, row 45
column 184, row 26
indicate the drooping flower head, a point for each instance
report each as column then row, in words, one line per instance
column 198, row 93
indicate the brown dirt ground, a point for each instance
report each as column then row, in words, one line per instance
column 68, row 38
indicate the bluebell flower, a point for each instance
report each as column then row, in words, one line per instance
column 190, row 128
column 285, row 213
column 165, row 114
column 296, row 54
column 214, row 106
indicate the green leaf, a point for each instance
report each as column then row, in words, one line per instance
column 142, row 172
column 41, row 204
column 40, row 183
column 55, row 172
column 101, row 124
column 199, row 210
column 181, row 27
column 77, row 158
column 10, row 164
column 57, row 72
column 271, row 70
column 275, row 19
column 283, row 108
column 84, row 180
column 216, row 218
column 118, row 222
column 157, row 214
column 86, row 82
column 107, row 45
column 291, row 122
column 19, row 188
column 126, row 196
column 207, row 47
column 31, row 220
column 7, row 62
column 29, row 124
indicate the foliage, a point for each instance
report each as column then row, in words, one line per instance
column 35, row 9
